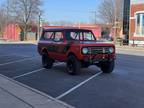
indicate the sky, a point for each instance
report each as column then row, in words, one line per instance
column 68, row 10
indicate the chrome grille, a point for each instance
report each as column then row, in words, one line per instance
column 99, row 50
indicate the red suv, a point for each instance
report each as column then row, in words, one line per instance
column 79, row 48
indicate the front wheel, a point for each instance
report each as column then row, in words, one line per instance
column 73, row 65
column 108, row 66
column 46, row 61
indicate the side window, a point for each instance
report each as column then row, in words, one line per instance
column 48, row 35
column 58, row 36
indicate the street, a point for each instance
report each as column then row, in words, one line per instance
column 91, row 89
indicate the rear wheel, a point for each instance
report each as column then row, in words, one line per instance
column 73, row 65
column 46, row 61
column 108, row 66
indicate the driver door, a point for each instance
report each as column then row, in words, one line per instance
column 59, row 46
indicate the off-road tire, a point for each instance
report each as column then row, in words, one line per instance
column 108, row 66
column 46, row 61
column 73, row 65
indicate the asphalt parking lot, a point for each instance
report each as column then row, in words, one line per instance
column 91, row 89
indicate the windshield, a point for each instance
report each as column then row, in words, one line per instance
column 81, row 36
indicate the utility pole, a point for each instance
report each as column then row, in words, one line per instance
column 39, row 23
column 95, row 16
column 115, row 28
column 7, row 17
column 79, row 25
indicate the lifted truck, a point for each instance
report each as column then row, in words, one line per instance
column 79, row 48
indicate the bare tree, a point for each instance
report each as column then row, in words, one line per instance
column 2, row 21
column 111, row 11
column 24, row 12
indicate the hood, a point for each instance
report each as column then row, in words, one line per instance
column 96, row 43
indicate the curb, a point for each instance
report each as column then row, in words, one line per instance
column 130, row 48
column 51, row 99
column 20, row 42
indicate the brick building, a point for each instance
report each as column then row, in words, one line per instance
column 11, row 32
column 136, row 31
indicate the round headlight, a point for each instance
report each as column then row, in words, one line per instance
column 111, row 50
column 85, row 50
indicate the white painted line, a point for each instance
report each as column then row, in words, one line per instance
column 77, row 86
column 5, row 55
column 58, row 63
column 9, row 55
column 16, row 61
column 28, row 73
column 35, row 71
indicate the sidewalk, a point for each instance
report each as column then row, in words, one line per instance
column 18, row 42
column 16, row 95
column 129, row 50
column 130, row 47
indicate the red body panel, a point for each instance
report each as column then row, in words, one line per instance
column 75, row 49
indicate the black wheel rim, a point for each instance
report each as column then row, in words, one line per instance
column 44, row 59
column 70, row 67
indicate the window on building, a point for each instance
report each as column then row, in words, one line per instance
column 143, row 24
column 139, row 24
